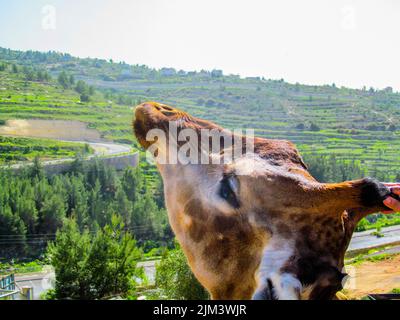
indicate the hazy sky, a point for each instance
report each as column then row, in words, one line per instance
column 351, row 43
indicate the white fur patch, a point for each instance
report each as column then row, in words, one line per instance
column 286, row 286
column 275, row 255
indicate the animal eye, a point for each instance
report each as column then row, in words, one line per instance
column 228, row 187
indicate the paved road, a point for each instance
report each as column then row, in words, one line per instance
column 364, row 240
column 101, row 148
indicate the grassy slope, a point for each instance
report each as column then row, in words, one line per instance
column 273, row 108
column 20, row 99
column 23, row 149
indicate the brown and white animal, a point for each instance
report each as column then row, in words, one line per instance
column 260, row 227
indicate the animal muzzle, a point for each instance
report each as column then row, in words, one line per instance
column 265, row 292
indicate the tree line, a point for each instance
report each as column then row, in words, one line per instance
column 34, row 206
column 29, row 73
column 81, row 87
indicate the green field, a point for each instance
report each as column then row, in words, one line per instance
column 23, row 149
column 21, row 99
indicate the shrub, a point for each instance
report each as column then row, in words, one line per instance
column 210, row 103
column 175, row 280
column 314, row 127
column 85, row 97
column 48, row 295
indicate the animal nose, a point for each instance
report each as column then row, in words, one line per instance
column 156, row 109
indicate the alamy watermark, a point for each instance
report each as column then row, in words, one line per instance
column 49, row 17
column 348, row 21
column 198, row 146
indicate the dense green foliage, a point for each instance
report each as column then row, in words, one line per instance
column 24, row 267
column 68, row 82
column 94, row 265
column 175, row 280
column 33, row 207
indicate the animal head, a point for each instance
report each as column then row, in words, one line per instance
column 258, row 226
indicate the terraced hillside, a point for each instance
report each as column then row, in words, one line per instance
column 361, row 124
column 22, row 99
column 22, row 149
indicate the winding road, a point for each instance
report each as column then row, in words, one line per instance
column 62, row 130
column 102, row 148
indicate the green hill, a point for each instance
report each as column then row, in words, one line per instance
column 361, row 124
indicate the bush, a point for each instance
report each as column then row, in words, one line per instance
column 94, row 266
column 175, row 280
column 155, row 252
column 48, row 295
column 85, row 97
column 210, row 103
column 24, row 267
column 314, row 127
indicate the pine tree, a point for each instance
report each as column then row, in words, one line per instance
column 37, row 169
column 94, row 266
column 95, row 203
column 63, row 80
column 78, row 198
column 132, row 183
column 123, row 206
column 52, row 214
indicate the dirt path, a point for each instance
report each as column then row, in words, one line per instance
column 69, row 131
column 374, row 277
column 51, row 129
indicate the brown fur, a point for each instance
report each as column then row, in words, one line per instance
column 224, row 249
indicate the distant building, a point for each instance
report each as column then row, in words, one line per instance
column 216, row 73
column 388, row 90
column 127, row 72
column 234, row 76
column 182, row 73
column 253, row 78
column 204, row 73
column 167, row 72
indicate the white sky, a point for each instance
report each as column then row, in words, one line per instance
column 349, row 42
